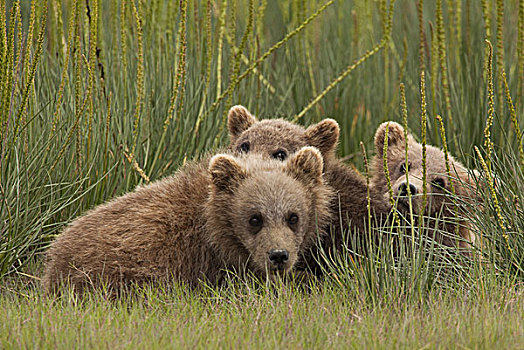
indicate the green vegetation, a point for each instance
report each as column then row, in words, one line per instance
column 250, row 317
column 99, row 96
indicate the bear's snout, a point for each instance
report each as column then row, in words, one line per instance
column 401, row 192
column 279, row 258
column 403, row 189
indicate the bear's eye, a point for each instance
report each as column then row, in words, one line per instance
column 292, row 219
column 280, row 155
column 438, row 183
column 403, row 167
column 256, row 222
column 244, row 147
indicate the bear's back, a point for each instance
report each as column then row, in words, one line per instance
column 146, row 234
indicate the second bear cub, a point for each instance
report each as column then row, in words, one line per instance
column 440, row 210
column 237, row 213
column 278, row 139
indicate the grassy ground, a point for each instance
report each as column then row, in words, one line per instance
column 99, row 96
column 250, row 317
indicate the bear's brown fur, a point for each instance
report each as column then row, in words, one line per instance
column 439, row 206
column 278, row 139
column 237, row 213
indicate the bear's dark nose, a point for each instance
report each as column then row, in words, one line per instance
column 403, row 189
column 278, row 256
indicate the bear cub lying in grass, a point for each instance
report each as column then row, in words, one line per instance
column 237, row 213
column 278, row 139
column 440, row 210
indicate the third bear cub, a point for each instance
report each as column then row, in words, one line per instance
column 438, row 185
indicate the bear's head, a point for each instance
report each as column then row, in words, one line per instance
column 278, row 138
column 438, row 183
column 263, row 213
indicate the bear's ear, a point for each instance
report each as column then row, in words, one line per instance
column 324, row 135
column 395, row 136
column 239, row 120
column 225, row 172
column 306, row 165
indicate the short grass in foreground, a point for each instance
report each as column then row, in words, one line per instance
column 250, row 315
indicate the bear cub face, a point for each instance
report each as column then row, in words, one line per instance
column 438, row 184
column 263, row 213
column 278, row 138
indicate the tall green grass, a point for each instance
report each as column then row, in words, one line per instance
column 99, row 96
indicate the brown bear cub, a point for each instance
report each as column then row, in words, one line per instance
column 279, row 139
column 440, row 210
column 239, row 213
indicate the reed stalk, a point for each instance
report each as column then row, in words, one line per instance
column 496, row 204
column 404, row 61
column 423, row 140
column 458, row 28
column 181, row 71
column 309, row 65
column 514, row 120
column 385, row 167
column 132, row 160
column 368, row 193
column 260, row 18
column 123, row 37
column 448, row 167
column 17, row 73
column 446, row 152
column 404, row 113
column 520, row 46
column 486, row 13
column 139, row 73
column 3, row 63
column 93, row 31
column 434, row 69
column 77, row 68
column 421, row 51
column 221, row 30
column 488, row 143
column 355, row 35
column 7, row 82
column 500, row 55
column 232, row 24
column 29, row 40
column 441, row 39
column 467, row 35
column 108, row 129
